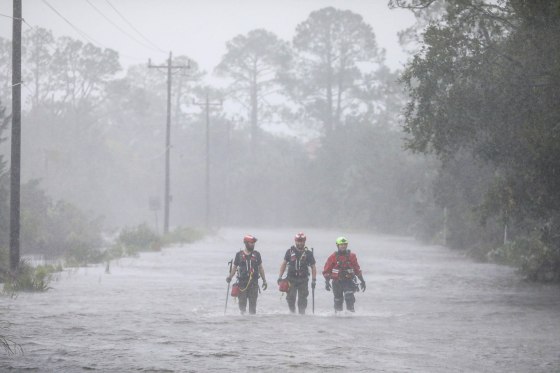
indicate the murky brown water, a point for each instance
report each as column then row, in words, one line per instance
column 426, row 309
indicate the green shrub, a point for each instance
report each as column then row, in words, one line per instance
column 182, row 235
column 133, row 240
column 29, row 278
column 481, row 253
column 115, row 251
column 534, row 259
column 81, row 253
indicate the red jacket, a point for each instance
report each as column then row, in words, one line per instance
column 343, row 266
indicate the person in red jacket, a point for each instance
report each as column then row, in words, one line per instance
column 342, row 267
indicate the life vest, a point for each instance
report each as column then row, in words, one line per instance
column 297, row 266
column 248, row 267
column 343, row 269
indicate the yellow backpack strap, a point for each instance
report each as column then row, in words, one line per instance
column 248, row 282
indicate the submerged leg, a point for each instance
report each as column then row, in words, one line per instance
column 349, row 288
column 253, row 293
column 303, row 293
column 291, row 297
column 242, row 301
column 338, row 296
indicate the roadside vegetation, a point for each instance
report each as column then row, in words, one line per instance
column 483, row 99
column 61, row 233
column 131, row 241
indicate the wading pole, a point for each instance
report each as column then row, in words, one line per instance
column 227, row 293
column 312, row 293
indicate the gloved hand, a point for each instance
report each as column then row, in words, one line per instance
column 363, row 286
column 313, row 283
column 228, row 279
column 278, row 281
column 328, row 285
column 264, row 285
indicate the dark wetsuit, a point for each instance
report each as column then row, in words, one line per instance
column 298, row 276
column 248, row 279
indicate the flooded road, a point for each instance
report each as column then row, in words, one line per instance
column 426, row 309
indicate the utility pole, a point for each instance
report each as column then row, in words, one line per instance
column 15, row 174
column 167, row 196
column 445, row 226
column 207, row 104
column 226, row 203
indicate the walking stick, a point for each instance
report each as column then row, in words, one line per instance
column 227, row 293
column 312, row 294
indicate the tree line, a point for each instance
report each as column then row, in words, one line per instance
column 484, row 91
column 316, row 125
column 317, row 138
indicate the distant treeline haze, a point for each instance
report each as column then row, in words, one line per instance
column 311, row 131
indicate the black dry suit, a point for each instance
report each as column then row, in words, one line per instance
column 248, row 278
column 247, row 267
column 298, row 276
column 298, row 262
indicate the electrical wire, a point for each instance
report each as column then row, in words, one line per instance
column 83, row 34
column 134, row 28
column 22, row 19
column 118, row 27
column 92, row 40
column 50, row 47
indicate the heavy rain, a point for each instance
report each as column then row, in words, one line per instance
column 268, row 185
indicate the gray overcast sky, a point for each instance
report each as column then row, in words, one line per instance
column 196, row 28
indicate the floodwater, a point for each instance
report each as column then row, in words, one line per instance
column 426, row 309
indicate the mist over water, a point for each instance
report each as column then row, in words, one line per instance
column 426, row 309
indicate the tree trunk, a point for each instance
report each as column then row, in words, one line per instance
column 329, row 125
column 254, row 116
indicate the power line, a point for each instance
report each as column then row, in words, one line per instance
column 13, row 18
column 134, row 28
column 118, row 27
column 83, row 34
column 86, row 36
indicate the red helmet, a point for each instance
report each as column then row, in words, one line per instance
column 300, row 237
column 249, row 238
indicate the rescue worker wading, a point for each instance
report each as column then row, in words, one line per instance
column 298, row 258
column 248, row 265
column 341, row 267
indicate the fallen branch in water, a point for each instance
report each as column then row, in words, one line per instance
column 10, row 346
